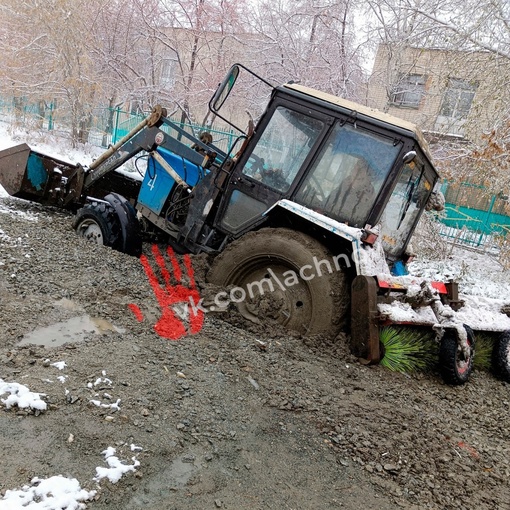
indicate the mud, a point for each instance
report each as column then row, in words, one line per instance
column 236, row 415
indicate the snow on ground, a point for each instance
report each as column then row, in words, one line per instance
column 20, row 396
column 478, row 274
column 55, row 492
column 58, row 492
column 48, row 143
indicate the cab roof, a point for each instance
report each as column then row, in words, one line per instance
column 365, row 111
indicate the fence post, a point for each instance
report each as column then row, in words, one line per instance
column 116, row 125
column 230, row 138
column 50, row 118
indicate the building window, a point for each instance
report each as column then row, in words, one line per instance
column 409, row 90
column 168, row 67
column 458, row 98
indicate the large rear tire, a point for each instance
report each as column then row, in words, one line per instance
column 98, row 222
column 286, row 276
column 455, row 368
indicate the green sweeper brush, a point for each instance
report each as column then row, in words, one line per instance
column 408, row 349
column 412, row 350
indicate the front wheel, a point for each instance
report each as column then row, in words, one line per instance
column 455, row 367
column 97, row 222
column 286, row 276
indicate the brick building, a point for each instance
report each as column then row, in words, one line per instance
column 454, row 96
column 459, row 93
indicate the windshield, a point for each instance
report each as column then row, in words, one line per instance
column 347, row 176
column 407, row 200
column 282, row 148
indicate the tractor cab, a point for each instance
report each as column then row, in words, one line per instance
column 351, row 164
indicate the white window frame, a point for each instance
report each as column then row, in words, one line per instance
column 409, row 91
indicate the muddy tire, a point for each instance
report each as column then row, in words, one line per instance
column 264, row 268
column 98, row 222
column 501, row 356
column 455, row 369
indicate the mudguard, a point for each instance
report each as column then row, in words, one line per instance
column 131, row 242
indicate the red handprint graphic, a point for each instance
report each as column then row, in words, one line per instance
column 174, row 300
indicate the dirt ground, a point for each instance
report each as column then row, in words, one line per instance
column 230, row 416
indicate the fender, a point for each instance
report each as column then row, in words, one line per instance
column 131, row 242
column 368, row 260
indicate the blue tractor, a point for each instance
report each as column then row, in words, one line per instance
column 308, row 218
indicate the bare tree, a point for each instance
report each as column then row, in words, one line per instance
column 472, row 40
column 48, row 58
column 193, row 42
column 313, row 42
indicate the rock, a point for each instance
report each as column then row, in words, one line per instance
column 391, row 468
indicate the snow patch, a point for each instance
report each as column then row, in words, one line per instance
column 115, row 468
column 54, row 493
column 21, row 396
column 113, row 407
column 15, row 213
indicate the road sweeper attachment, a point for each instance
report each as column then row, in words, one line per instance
column 444, row 326
column 308, row 217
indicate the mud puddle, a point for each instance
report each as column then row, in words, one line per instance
column 76, row 329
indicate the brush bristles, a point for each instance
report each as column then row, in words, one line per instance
column 411, row 350
column 408, row 350
column 483, row 351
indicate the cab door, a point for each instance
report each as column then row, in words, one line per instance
column 285, row 142
column 408, row 199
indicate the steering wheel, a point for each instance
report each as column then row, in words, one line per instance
column 256, row 170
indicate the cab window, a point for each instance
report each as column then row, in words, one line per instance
column 283, row 147
column 346, row 178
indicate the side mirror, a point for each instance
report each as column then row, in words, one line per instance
column 224, row 89
column 409, row 156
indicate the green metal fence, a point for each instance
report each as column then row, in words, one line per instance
column 124, row 122
column 474, row 217
column 103, row 127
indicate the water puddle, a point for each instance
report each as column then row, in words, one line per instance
column 73, row 330
column 163, row 484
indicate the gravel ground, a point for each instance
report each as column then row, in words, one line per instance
column 231, row 417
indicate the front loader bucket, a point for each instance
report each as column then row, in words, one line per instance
column 27, row 174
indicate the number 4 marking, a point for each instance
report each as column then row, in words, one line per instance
column 152, row 182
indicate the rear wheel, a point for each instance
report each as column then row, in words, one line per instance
column 98, row 223
column 501, row 356
column 286, row 276
column 455, row 367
